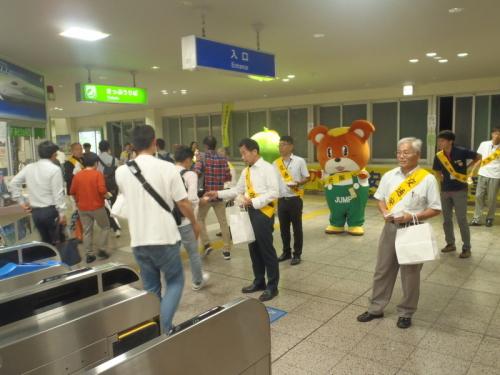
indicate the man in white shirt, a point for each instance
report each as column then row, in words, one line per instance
column 293, row 173
column 155, row 239
column 47, row 201
column 257, row 190
column 403, row 193
column 183, row 163
column 488, row 180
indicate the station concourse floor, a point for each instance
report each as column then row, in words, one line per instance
column 456, row 329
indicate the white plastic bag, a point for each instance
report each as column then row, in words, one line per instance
column 416, row 244
column 241, row 227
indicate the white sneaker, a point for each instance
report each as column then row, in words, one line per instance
column 206, row 277
column 118, row 233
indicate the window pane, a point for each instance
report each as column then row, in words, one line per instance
column 385, row 119
column 495, row 113
column 215, row 128
column 202, row 128
column 171, row 131
column 298, row 130
column 482, row 113
column 257, row 122
column 463, row 121
column 237, row 131
column 279, row 121
column 413, row 121
column 330, row 116
column 187, row 130
column 353, row 112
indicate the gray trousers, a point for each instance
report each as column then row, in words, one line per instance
column 101, row 218
column 386, row 272
column 486, row 188
column 457, row 200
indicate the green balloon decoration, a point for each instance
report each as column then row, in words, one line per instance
column 268, row 141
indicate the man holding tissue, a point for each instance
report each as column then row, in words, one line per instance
column 257, row 190
column 403, row 192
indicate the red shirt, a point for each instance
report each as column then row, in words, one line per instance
column 88, row 188
column 215, row 170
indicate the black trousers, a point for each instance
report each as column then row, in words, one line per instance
column 46, row 221
column 262, row 251
column 290, row 212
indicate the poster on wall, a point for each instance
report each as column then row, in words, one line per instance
column 64, row 142
column 22, row 93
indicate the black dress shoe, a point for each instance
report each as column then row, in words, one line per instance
column 295, row 261
column 252, row 288
column 367, row 317
column 404, row 323
column 284, row 256
column 268, row 295
column 489, row 223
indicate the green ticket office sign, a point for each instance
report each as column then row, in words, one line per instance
column 88, row 92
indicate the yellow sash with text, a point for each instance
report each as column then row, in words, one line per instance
column 405, row 187
column 337, row 178
column 493, row 156
column 288, row 178
column 267, row 210
column 446, row 163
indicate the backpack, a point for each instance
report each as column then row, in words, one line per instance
column 166, row 157
column 109, row 175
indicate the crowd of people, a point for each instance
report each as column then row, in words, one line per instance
column 166, row 197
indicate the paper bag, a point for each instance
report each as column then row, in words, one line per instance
column 416, row 244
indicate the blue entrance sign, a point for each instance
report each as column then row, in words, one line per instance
column 204, row 53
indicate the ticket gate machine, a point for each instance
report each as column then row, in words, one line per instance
column 227, row 340
column 29, row 253
column 75, row 320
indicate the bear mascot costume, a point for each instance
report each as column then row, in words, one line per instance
column 343, row 153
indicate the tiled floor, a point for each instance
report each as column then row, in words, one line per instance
column 456, row 329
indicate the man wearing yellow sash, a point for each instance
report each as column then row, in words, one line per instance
column 451, row 163
column 258, row 190
column 73, row 164
column 488, row 180
column 293, row 173
column 403, row 192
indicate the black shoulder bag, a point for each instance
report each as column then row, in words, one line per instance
column 136, row 171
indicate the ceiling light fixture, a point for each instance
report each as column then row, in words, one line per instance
column 443, row 61
column 318, row 35
column 455, row 10
column 154, row 67
column 260, row 78
column 437, row 57
column 413, row 61
column 83, row 34
column 291, row 76
column 431, row 54
column 408, row 90
column 286, row 79
column 462, row 54
column 183, row 92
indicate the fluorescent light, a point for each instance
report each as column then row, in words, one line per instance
column 164, row 92
column 437, row 57
column 455, row 10
column 443, row 61
column 184, row 92
column 58, row 109
column 83, row 34
column 286, row 79
column 155, row 67
column 462, row 54
column 413, row 61
column 318, row 35
column 261, row 78
column 291, row 76
column 408, row 90
column 431, row 54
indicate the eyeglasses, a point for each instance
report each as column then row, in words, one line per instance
column 404, row 154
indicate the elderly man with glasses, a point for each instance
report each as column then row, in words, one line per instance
column 403, row 192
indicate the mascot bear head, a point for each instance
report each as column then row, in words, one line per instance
column 343, row 149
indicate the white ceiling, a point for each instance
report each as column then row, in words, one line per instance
column 367, row 43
